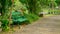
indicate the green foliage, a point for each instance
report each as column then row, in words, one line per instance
column 5, row 13
column 31, row 6
column 56, row 12
column 5, row 6
column 58, row 2
column 31, row 17
column 18, row 18
column 47, row 3
column 19, row 5
column 0, row 17
column 23, row 1
column 5, row 24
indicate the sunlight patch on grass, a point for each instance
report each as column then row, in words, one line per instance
column 49, row 15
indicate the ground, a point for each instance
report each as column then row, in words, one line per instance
column 45, row 25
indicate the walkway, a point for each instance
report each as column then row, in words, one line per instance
column 46, row 25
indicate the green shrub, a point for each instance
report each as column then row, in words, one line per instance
column 0, row 17
column 5, row 24
column 31, row 17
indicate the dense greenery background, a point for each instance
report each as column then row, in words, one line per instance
column 31, row 8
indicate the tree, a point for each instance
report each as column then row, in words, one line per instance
column 58, row 2
column 32, row 5
column 5, row 4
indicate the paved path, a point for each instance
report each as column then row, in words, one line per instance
column 46, row 25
